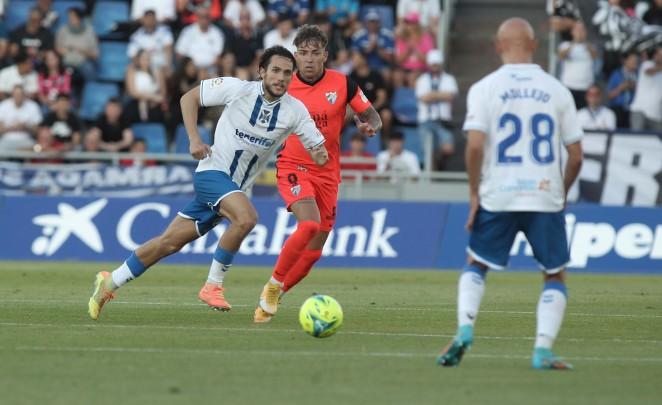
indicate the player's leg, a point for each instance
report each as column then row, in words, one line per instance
column 491, row 238
column 180, row 232
column 546, row 234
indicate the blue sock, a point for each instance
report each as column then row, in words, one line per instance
column 135, row 265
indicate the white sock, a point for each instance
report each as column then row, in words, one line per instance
column 217, row 272
column 470, row 292
column 551, row 308
column 121, row 276
column 276, row 282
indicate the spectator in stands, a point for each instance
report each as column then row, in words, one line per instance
column 48, row 16
column 282, row 35
column 184, row 79
column 20, row 74
column 595, row 115
column 154, row 38
column 297, row 10
column 202, row 42
column 436, row 91
column 112, row 128
column 246, row 44
column 620, row 89
column 166, row 10
column 19, row 117
column 31, row 37
column 342, row 13
column 63, row 124
column 78, row 45
column 562, row 15
column 233, row 10
column 614, row 23
column 654, row 14
column 404, row 103
column 397, row 159
column 375, row 42
column 374, row 87
column 357, row 150
column 139, row 146
column 46, row 143
column 92, row 142
column 54, row 79
column 186, row 10
column 646, row 109
column 146, row 87
column 412, row 44
column 577, row 56
column 429, row 12
column 339, row 55
column 227, row 66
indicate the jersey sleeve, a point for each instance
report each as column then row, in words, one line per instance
column 355, row 97
column 570, row 129
column 221, row 90
column 477, row 115
column 304, row 127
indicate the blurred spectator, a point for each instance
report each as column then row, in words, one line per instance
column 184, row 79
column 646, row 108
column 297, row 10
column 357, row 150
column 429, row 12
column 146, row 87
column 616, row 25
column 31, row 37
column 138, row 146
column 166, row 10
column 436, row 91
column 63, row 124
column 282, row 35
column 92, row 142
column 4, row 43
column 154, row 38
column 412, row 44
column 595, row 115
column 48, row 16
column 112, row 128
column 620, row 89
column 654, row 14
column 563, row 15
column 186, row 10
column 46, row 143
column 246, row 44
column 375, row 42
column 233, row 10
column 404, row 103
column 397, row 159
column 19, row 117
column 373, row 86
column 339, row 57
column 54, row 79
column 201, row 41
column 577, row 56
column 340, row 12
column 78, row 44
column 226, row 65
column 20, row 74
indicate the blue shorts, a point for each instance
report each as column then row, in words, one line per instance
column 493, row 234
column 211, row 186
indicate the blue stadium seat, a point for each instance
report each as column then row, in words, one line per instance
column 404, row 105
column 112, row 61
column 181, row 138
column 412, row 141
column 16, row 13
column 95, row 96
column 373, row 145
column 107, row 14
column 154, row 135
column 62, row 7
column 385, row 12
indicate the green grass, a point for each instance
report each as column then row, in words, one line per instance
column 156, row 344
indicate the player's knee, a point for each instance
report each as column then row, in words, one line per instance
column 246, row 222
column 168, row 245
column 308, row 228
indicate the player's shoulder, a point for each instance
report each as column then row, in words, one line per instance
column 294, row 105
column 334, row 75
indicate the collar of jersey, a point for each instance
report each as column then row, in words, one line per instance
column 301, row 79
column 521, row 65
column 261, row 91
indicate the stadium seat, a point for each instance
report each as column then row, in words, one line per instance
column 412, row 141
column 181, row 138
column 154, row 135
column 405, row 105
column 385, row 12
column 107, row 14
column 16, row 13
column 61, row 7
column 95, row 96
column 112, row 61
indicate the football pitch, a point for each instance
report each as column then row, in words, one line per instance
column 156, row 344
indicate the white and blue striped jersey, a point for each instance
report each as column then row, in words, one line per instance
column 528, row 117
column 251, row 128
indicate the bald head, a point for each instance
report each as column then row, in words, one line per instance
column 516, row 41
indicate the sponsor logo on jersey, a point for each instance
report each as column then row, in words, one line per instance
column 254, row 140
column 332, row 96
column 545, row 185
column 296, row 190
column 265, row 117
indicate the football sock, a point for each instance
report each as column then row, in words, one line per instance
column 301, row 268
column 551, row 308
column 220, row 265
column 470, row 292
column 276, row 282
column 293, row 248
column 130, row 269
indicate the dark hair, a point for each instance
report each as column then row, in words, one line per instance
column 78, row 11
column 310, row 33
column 149, row 12
column 114, row 100
column 22, row 57
column 277, row 50
column 397, row 136
column 357, row 136
column 63, row 96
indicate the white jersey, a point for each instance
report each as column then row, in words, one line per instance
column 251, row 128
column 528, row 117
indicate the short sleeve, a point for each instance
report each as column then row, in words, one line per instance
column 477, row 114
column 564, row 46
column 355, row 97
column 570, row 128
column 222, row 90
column 305, row 128
column 422, row 87
column 167, row 36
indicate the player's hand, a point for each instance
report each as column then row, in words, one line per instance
column 319, row 155
column 200, row 150
column 364, row 127
column 474, row 203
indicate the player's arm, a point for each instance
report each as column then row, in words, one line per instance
column 571, row 133
column 473, row 157
column 190, row 103
column 319, row 155
column 368, row 122
column 311, row 138
column 573, row 165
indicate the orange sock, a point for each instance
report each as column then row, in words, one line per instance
column 293, row 247
column 301, row 268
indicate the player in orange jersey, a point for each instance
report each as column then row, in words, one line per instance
column 311, row 192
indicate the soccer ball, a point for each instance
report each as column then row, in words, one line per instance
column 320, row 316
